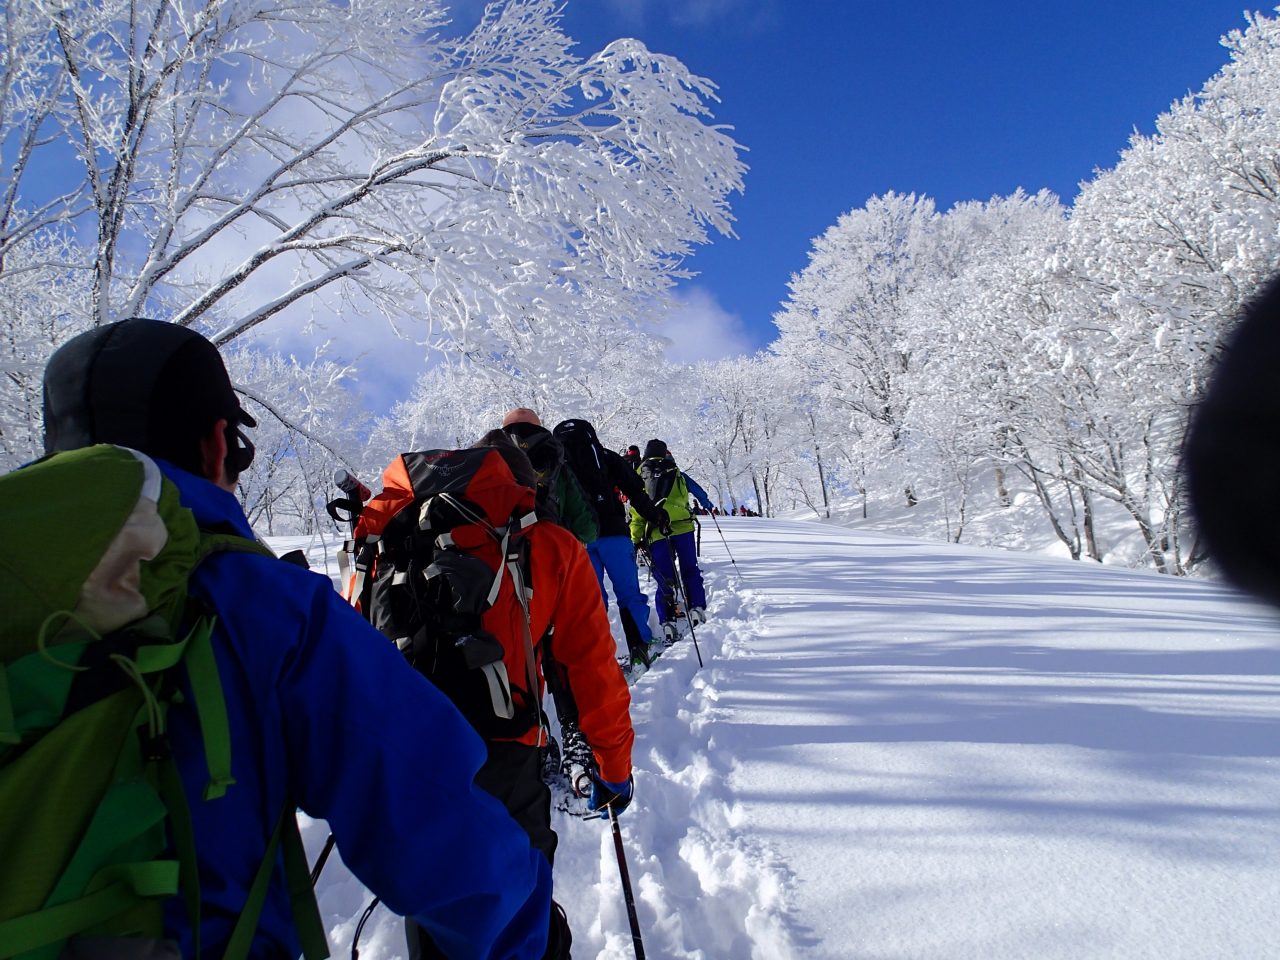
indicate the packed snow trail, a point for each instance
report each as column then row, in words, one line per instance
column 901, row 749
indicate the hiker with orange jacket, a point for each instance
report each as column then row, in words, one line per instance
column 562, row 623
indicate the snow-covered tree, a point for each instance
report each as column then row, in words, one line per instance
column 846, row 318
column 221, row 161
column 309, row 423
column 1050, row 349
column 37, row 295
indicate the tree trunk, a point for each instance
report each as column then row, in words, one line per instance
column 822, row 482
column 1090, row 534
column 1002, row 493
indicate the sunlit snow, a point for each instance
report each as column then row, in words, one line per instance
column 899, row 749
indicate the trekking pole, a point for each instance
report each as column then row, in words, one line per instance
column 678, row 573
column 357, row 493
column 636, row 942
column 647, row 561
column 320, row 861
column 726, row 547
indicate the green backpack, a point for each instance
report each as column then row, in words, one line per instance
column 97, row 624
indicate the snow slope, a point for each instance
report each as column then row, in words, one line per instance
column 900, row 749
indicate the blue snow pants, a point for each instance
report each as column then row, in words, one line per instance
column 686, row 552
column 617, row 556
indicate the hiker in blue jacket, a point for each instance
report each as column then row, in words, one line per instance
column 324, row 713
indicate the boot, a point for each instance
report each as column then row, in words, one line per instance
column 637, row 644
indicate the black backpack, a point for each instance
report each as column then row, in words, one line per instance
column 546, row 456
column 441, row 561
column 587, row 457
column 658, row 476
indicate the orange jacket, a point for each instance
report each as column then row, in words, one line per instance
column 566, row 596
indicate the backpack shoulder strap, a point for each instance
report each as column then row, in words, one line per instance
column 202, row 670
column 287, row 842
column 211, row 709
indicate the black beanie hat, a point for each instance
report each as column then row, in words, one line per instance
column 154, row 386
column 654, row 450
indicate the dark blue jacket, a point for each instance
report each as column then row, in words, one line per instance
column 324, row 710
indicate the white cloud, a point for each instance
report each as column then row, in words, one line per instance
column 698, row 328
column 387, row 365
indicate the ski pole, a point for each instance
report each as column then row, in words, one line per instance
column 320, row 861
column 346, row 481
column 357, row 493
column 726, row 546
column 677, row 573
column 697, row 526
column 636, row 942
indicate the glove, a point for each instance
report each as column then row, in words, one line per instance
column 616, row 795
column 664, row 522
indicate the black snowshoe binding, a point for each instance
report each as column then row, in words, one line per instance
column 567, row 770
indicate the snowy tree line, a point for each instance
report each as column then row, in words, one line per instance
column 1013, row 355
column 519, row 213
column 1020, row 343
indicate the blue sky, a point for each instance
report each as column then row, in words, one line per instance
column 839, row 101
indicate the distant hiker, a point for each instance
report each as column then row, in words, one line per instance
column 248, row 691
column 632, row 456
column 670, row 488
column 486, row 600
column 560, row 495
column 603, row 474
column 1232, row 453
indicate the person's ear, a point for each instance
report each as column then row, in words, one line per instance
column 213, row 456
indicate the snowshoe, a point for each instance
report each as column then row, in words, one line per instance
column 566, row 773
column 562, row 795
column 633, row 668
column 578, row 761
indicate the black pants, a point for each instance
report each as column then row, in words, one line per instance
column 512, row 773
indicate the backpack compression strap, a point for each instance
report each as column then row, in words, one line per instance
column 515, row 555
column 514, row 552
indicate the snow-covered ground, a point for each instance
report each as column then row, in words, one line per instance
column 899, row 749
